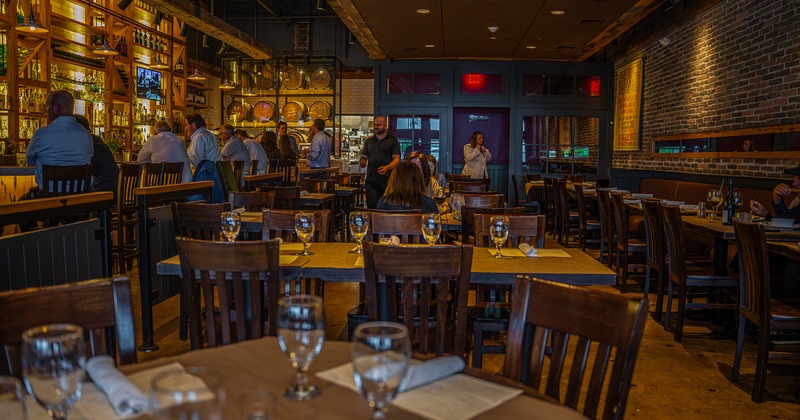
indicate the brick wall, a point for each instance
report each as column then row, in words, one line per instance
column 358, row 96
column 733, row 66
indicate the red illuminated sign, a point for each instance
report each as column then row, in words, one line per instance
column 473, row 80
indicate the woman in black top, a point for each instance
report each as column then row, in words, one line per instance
column 271, row 145
column 406, row 191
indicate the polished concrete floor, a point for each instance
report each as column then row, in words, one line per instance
column 687, row 380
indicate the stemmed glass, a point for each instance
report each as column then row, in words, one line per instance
column 498, row 228
column 456, row 202
column 359, row 224
column 431, row 227
column 714, row 199
column 304, row 226
column 196, row 393
column 53, row 360
column 301, row 331
column 12, row 399
column 737, row 199
column 381, row 354
column 231, row 224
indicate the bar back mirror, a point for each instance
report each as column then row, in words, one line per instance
column 772, row 141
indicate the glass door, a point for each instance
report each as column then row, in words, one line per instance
column 417, row 132
column 559, row 144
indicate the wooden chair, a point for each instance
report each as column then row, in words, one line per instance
column 417, row 281
column 151, row 174
column 533, row 177
column 288, row 167
column 757, row 306
column 630, row 251
column 567, row 220
column 683, row 276
column 172, row 173
column 123, row 219
column 65, row 180
column 468, row 214
column 253, row 166
column 492, row 302
column 482, row 200
column 319, row 186
column 102, row 307
column 238, row 169
column 252, row 305
column 549, row 203
column 252, row 201
column 576, row 178
column 546, row 315
column 406, row 226
column 656, row 259
column 469, row 187
column 607, row 235
column 286, row 198
column 197, row 220
column 589, row 227
column 530, row 206
column 456, row 177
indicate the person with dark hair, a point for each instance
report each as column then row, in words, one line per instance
column 438, row 176
column 285, row 147
column 257, row 152
column 105, row 172
column 166, row 146
column 406, row 190
column 234, row 149
column 63, row 141
column 475, row 157
column 746, row 145
column 283, row 135
column 785, row 199
column 204, row 145
column 432, row 187
column 380, row 154
column 271, row 147
column 319, row 156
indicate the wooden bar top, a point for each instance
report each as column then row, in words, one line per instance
column 176, row 188
column 55, row 203
column 263, row 177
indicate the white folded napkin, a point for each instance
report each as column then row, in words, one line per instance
column 431, row 371
column 392, row 240
column 123, row 395
column 528, row 250
column 240, row 210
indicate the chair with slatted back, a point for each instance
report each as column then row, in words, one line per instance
column 123, row 219
column 253, row 166
column 493, row 302
column 252, row 201
column 757, row 306
column 406, row 226
column 567, row 220
column 631, row 251
column 252, row 305
column 588, row 226
column 548, row 315
column 197, row 220
column 65, row 180
column 286, row 198
column 468, row 187
column 549, row 203
column 482, row 199
column 607, row 235
column 238, row 170
column 288, row 167
column 102, row 307
column 172, row 173
column 656, row 260
column 531, row 206
column 151, row 174
column 319, row 186
column 468, row 218
column 698, row 286
column 456, row 177
column 417, row 281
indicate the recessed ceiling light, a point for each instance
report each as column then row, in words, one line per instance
column 531, row 47
column 423, row 11
column 493, row 29
column 492, row 37
column 557, row 12
column 429, row 45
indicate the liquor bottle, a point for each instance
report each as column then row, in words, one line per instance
column 730, row 205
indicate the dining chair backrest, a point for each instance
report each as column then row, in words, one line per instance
column 286, row 198
column 576, row 178
column 418, row 281
column 248, row 308
column 482, row 199
column 456, row 177
column 621, row 220
column 580, row 199
column 280, row 224
column 273, row 165
column 533, row 177
column 172, row 173
column 254, row 167
column 102, row 307
column 525, row 228
column 468, row 218
column 654, row 231
column 289, row 169
column 676, row 249
column 198, row 220
column 515, row 191
column 65, row 180
column 252, row 201
column 407, row 226
column 128, row 180
column 151, row 174
column 469, row 187
column 319, row 186
column 238, row 169
column 754, row 272
column 548, row 315
column 606, row 215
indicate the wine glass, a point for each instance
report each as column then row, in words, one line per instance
column 12, row 399
column 456, row 202
column 196, row 393
column 53, row 360
column 304, row 226
column 301, row 331
column 714, row 199
column 737, row 199
column 231, row 224
column 498, row 229
column 359, row 224
column 381, row 354
column 431, row 227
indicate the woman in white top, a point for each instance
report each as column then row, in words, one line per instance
column 475, row 157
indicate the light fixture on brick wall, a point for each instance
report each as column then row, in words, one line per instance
column 664, row 40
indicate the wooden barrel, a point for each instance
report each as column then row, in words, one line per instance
column 265, row 111
column 238, row 111
column 319, row 109
column 292, row 78
column 295, row 111
column 320, row 78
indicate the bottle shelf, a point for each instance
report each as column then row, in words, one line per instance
column 74, row 62
column 196, row 105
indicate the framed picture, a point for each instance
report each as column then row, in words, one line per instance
column 2, row 147
column 628, row 107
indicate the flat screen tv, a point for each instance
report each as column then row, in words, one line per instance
column 148, row 84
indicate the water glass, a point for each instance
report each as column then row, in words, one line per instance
column 381, row 354
column 301, row 331
column 304, row 226
column 53, row 361
column 431, row 227
column 196, row 393
column 359, row 224
column 257, row 404
column 231, row 224
column 456, row 202
column 12, row 399
column 498, row 229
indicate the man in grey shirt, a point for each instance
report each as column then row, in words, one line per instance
column 204, row 145
column 234, row 148
column 165, row 146
column 257, row 153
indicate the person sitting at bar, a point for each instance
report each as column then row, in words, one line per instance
column 166, row 146
column 319, row 156
column 257, row 153
column 780, row 195
column 234, row 148
column 432, row 187
column 105, row 171
column 63, row 141
column 204, row 145
column 406, row 191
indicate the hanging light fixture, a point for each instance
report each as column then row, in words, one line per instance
column 105, row 49
column 196, row 75
column 227, row 85
column 249, row 92
column 160, row 65
column 32, row 26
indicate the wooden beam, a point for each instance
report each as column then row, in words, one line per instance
column 625, row 22
column 349, row 14
column 211, row 25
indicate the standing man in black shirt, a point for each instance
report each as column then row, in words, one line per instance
column 380, row 154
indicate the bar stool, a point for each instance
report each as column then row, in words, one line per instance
column 123, row 218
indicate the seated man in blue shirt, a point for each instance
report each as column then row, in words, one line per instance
column 319, row 156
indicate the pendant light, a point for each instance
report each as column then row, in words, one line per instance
column 105, row 49
column 249, row 92
column 32, row 26
column 160, row 65
column 196, row 75
column 227, row 85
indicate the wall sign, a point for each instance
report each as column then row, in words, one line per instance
column 627, row 107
